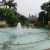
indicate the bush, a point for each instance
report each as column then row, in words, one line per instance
column 49, row 17
column 47, row 27
column 37, row 24
column 22, row 19
column 8, row 15
column 3, row 24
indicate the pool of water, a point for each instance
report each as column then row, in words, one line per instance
column 31, row 39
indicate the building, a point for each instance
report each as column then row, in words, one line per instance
column 31, row 20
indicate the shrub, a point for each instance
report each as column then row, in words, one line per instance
column 47, row 26
column 3, row 24
column 22, row 19
column 37, row 23
column 8, row 15
column 49, row 17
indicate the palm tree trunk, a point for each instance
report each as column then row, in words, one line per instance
column 5, row 3
column 6, row 6
column 9, row 6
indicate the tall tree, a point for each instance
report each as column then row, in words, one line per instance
column 12, row 4
column 4, row 2
column 46, row 6
column 42, row 17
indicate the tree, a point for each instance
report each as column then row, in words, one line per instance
column 42, row 17
column 46, row 6
column 4, row 2
column 8, row 15
column 22, row 19
column 49, row 17
column 9, row 3
column 12, row 4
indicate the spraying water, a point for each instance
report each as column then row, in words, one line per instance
column 19, row 26
column 18, row 30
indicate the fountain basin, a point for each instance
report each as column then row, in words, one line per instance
column 27, row 40
column 29, row 35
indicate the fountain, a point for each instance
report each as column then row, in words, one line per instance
column 19, row 26
column 23, row 37
column 19, row 29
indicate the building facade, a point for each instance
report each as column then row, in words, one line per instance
column 31, row 20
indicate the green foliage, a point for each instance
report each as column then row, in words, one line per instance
column 46, row 6
column 9, row 16
column 47, row 27
column 49, row 17
column 43, row 18
column 37, row 24
column 22, row 19
column 11, row 3
column 2, row 16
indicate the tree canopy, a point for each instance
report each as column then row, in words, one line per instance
column 44, row 15
column 46, row 6
column 9, row 3
column 9, row 16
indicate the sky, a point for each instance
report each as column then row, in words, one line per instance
column 32, row 7
column 25, row 7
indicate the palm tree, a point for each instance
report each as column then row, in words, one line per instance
column 12, row 4
column 9, row 3
column 4, row 2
